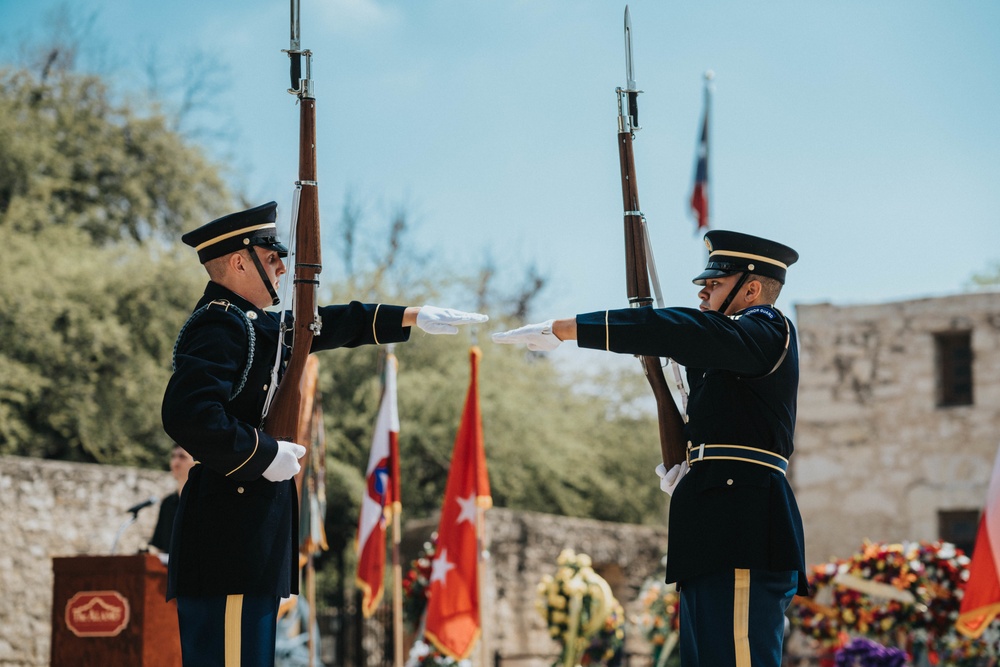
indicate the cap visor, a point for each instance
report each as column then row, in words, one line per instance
column 709, row 273
column 277, row 246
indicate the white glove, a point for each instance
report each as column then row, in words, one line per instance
column 669, row 479
column 436, row 320
column 286, row 463
column 538, row 337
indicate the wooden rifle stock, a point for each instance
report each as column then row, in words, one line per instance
column 284, row 415
column 673, row 446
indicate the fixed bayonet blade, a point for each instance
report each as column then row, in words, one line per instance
column 630, row 88
column 295, row 49
column 629, row 70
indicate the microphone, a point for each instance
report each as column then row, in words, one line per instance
column 152, row 500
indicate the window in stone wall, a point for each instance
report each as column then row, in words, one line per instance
column 959, row 527
column 954, row 368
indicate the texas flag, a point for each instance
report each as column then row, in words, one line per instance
column 453, row 622
column 380, row 494
column 699, row 192
column 981, row 601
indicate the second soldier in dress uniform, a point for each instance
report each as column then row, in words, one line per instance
column 735, row 536
column 234, row 547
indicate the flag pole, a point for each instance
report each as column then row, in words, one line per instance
column 305, row 482
column 311, row 597
column 397, row 589
column 482, row 558
column 709, row 77
column 397, row 512
column 482, row 553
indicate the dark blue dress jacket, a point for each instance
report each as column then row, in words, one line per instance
column 236, row 532
column 723, row 514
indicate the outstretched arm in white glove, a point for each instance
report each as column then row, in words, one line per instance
column 436, row 320
column 286, row 463
column 539, row 337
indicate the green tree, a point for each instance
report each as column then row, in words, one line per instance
column 91, row 195
column 76, row 158
column 987, row 278
column 86, row 336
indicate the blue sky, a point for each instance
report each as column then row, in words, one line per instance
column 864, row 134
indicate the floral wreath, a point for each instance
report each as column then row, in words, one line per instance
column 415, row 584
column 906, row 595
column 659, row 619
column 581, row 612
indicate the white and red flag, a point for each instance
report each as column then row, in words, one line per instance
column 381, row 492
column 981, row 600
column 453, row 622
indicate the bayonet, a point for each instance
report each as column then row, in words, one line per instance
column 300, row 86
column 630, row 88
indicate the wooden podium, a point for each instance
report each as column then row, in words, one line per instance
column 112, row 610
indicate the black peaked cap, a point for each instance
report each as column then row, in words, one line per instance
column 252, row 227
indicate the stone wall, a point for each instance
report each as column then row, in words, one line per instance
column 51, row 508
column 875, row 457
column 524, row 546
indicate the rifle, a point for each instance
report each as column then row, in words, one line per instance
column 638, row 260
column 283, row 415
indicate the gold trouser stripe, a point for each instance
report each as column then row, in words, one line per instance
column 375, row 317
column 741, row 618
column 234, row 634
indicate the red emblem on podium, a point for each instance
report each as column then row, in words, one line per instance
column 97, row 613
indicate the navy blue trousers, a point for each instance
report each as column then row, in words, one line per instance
column 735, row 618
column 228, row 630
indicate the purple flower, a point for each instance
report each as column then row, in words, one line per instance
column 862, row 652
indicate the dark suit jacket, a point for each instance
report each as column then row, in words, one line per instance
column 165, row 522
column 723, row 514
column 236, row 532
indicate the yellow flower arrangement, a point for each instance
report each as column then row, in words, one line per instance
column 578, row 606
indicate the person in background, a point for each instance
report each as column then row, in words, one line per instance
column 180, row 463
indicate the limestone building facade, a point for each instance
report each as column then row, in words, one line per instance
column 898, row 420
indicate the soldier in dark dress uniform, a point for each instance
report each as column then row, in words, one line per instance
column 735, row 536
column 234, row 547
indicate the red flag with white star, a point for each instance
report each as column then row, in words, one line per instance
column 981, row 599
column 453, row 622
column 379, row 494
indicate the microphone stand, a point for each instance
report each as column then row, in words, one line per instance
column 134, row 511
column 128, row 522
